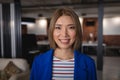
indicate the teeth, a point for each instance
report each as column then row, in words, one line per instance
column 64, row 40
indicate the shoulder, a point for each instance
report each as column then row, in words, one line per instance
column 84, row 57
column 44, row 56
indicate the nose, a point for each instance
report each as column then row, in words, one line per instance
column 64, row 32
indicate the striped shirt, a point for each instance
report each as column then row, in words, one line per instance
column 63, row 69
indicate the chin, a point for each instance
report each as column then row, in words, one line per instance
column 65, row 47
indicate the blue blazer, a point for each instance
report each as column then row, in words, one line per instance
column 42, row 67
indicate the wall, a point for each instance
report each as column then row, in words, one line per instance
column 88, row 11
column 111, row 30
column 112, row 40
column 39, row 27
column 111, row 26
column 90, row 26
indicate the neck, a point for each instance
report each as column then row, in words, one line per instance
column 64, row 54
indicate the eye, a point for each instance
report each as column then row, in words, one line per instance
column 57, row 27
column 71, row 27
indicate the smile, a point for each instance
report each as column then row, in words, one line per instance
column 64, row 40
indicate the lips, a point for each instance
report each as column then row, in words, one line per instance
column 65, row 41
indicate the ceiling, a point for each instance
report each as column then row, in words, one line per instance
column 53, row 4
column 58, row 3
column 48, row 6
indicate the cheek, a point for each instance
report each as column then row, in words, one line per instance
column 55, row 34
column 73, row 34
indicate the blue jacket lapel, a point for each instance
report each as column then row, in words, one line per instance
column 80, row 66
column 49, row 65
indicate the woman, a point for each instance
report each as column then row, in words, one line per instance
column 64, row 61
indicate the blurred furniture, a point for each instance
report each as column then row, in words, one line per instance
column 29, row 45
column 43, row 45
column 19, row 63
column 113, row 51
column 44, row 42
column 91, row 48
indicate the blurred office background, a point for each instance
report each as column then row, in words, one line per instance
column 24, row 27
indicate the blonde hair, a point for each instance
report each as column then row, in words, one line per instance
column 73, row 15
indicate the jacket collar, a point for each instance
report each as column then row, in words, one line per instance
column 77, row 65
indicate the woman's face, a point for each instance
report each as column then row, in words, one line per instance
column 64, row 32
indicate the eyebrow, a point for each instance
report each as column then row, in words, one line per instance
column 67, row 25
column 71, row 24
column 57, row 24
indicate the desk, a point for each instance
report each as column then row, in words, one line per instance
column 45, row 42
column 43, row 45
column 113, row 50
column 91, row 48
column 92, row 44
column 86, row 47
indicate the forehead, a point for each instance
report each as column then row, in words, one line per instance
column 65, row 20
